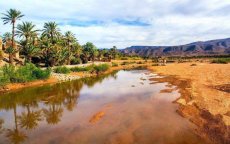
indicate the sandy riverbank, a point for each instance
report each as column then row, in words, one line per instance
column 205, row 97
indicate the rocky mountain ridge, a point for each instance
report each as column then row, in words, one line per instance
column 204, row 48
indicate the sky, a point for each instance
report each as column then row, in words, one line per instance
column 125, row 23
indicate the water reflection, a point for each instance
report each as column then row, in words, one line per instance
column 32, row 106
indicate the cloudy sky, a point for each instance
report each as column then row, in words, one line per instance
column 129, row 22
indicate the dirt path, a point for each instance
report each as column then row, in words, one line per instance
column 205, row 96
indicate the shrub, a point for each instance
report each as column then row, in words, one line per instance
column 75, row 61
column 42, row 74
column 114, row 64
column 101, row 68
column 26, row 73
column 62, row 69
column 3, row 81
column 81, row 69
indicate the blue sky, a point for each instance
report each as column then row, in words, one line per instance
column 129, row 22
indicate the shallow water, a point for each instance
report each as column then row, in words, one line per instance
column 123, row 107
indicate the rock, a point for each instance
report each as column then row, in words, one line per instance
column 181, row 101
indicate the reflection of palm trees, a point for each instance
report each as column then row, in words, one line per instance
column 53, row 114
column 16, row 136
column 30, row 119
column 1, row 125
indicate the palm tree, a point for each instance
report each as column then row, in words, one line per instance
column 113, row 51
column 30, row 51
column 70, row 39
column 89, row 51
column 26, row 30
column 30, row 119
column 1, row 125
column 12, row 16
column 15, row 135
column 6, row 37
column 51, row 31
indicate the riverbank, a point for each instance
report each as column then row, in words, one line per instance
column 205, row 97
column 57, row 78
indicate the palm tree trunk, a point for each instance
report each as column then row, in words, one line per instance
column 15, row 117
column 69, row 54
column 11, row 54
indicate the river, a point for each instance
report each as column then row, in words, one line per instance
column 124, row 107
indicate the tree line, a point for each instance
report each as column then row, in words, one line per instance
column 48, row 45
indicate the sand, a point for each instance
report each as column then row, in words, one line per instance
column 205, row 96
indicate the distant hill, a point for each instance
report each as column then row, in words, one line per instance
column 204, row 48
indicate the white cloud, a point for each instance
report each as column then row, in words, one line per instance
column 168, row 22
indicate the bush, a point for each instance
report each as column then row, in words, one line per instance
column 42, row 74
column 81, row 69
column 101, row 68
column 62, row 69
column 221, row 60
column 4, row 81
column 26, row 73
column 75, row 61
column 114, row 64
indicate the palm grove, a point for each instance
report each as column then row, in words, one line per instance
column 48, row 46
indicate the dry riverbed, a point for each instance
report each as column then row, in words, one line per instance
column 205, row 97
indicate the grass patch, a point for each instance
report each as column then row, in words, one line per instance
column 101, row 68
column 62, row 70
column 221, row 60
column 82, row 69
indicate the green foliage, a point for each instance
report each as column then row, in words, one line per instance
column 75, row 61
column 62, row 69
column 92, row 68
column 101, row 68
column 42, row 74
column 221, row 60
column 26, row 73
column 81, row 69
column 114, row 64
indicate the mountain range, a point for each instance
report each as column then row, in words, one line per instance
column 200, row 48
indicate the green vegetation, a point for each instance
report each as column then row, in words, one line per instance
column 221, row 60
column 101, row 68
column 91, row 68
column 127, row 63
column 82, row 69
column 114, row 64
column 49, row 46
column 27, row 73
column 62, row 69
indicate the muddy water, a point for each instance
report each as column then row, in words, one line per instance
column 124, row 107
